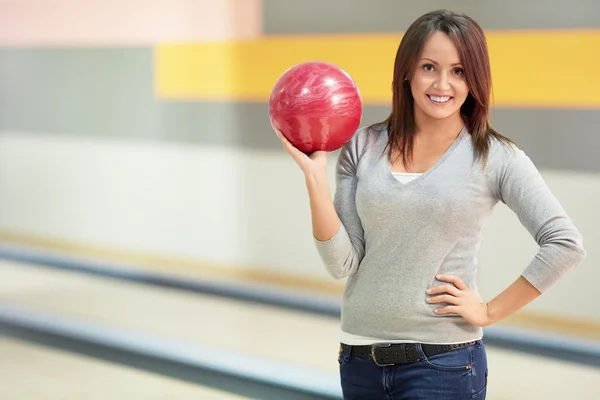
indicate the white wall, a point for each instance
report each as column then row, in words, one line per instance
column 234, row 207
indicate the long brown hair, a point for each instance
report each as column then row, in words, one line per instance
column 469, row 39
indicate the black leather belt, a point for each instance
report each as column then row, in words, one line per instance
column 384, row 354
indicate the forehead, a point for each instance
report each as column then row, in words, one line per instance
column 441, row 49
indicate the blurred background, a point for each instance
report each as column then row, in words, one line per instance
column 156, row 238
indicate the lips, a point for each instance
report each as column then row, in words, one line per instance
column 439, row 99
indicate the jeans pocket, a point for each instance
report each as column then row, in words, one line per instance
column 479, row 376
column 455, row 360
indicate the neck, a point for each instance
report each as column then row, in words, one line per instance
column 438, row 128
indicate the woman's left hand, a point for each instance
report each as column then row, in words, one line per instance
column 467, row 303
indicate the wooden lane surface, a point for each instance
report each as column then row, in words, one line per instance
column 30, row 371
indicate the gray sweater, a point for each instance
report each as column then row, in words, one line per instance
column 396, row 237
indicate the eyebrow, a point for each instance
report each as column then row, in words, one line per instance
column 434, row 62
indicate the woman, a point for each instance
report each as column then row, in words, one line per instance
column 405, row 224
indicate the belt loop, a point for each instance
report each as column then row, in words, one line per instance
column 420, row 352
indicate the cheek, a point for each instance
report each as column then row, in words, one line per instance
column 461, row 90
column 414, row 87
column 414, row 91
column 418, row 87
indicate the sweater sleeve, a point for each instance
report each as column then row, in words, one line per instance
column 521, row 187
column 343, row 252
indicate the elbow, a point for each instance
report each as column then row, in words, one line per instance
column 567, row 245
column 347, row 268
column 573, row 251
column 342, row 271
column 580, row 253
column 338, row 273
column 340, row 255
column 575, row 245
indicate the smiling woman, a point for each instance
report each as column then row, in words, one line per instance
column 442, row 75
column 412, row 316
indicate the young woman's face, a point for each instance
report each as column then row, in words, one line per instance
column 438, row 84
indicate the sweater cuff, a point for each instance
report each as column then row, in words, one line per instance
column 544, row 276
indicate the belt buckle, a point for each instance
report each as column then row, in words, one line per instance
column 374, row 347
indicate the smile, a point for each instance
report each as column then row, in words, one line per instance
column 439, row 99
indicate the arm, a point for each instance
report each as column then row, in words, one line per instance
column 336, row 227
column 343, row 251
column 469, row 305
column 516, row 296
column 520, row 186
column 325, row 221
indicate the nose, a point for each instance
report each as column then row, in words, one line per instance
column 442, row 82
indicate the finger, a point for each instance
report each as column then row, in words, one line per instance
column 286, row 143
column 451, row 289
column 284, row 139
column 447, row 310
column 443, row 298
column 454, row 279
column 281, row 137
column 298, row 156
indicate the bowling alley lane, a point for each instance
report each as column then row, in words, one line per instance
column 276, row 334
column 240, row 327
column 30, row 371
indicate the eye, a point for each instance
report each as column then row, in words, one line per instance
column 428, row 67
column 459, row 71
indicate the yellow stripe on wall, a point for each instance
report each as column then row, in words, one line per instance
column 529, row 68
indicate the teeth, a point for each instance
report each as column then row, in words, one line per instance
column 439, row 99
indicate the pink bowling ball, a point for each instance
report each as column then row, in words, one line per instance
column 316, row 105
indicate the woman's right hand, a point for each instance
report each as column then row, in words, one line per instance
column 314, row 164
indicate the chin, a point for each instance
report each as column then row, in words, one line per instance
column 439, row 115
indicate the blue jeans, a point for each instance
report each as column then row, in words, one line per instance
column 455, row 375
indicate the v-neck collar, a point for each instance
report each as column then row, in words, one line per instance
column 423, row 176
